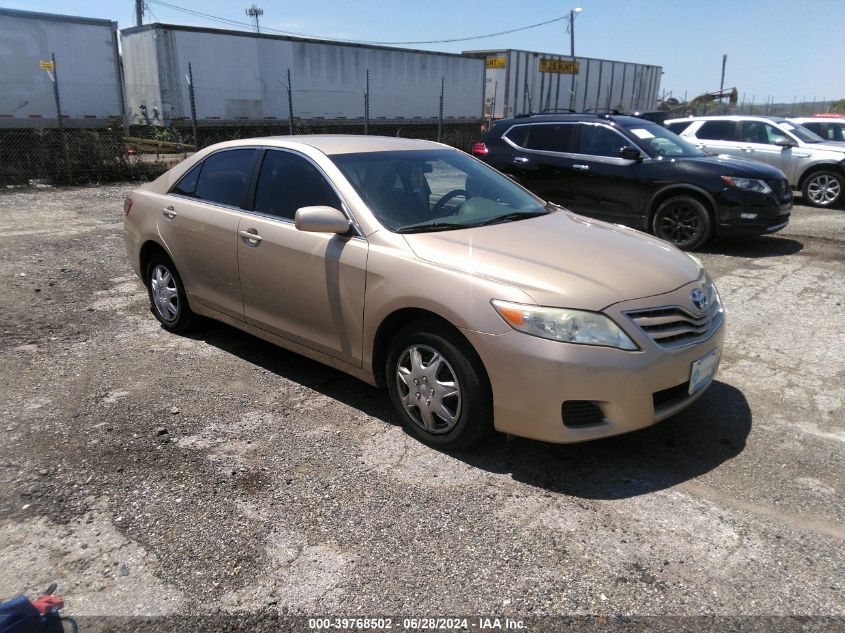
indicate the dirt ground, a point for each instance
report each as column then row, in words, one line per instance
column 150, row 473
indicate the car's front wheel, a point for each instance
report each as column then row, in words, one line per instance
column 438, row 387
column 823, row 188
column 682, row 221
column 168, row 301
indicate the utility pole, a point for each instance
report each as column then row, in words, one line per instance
column 139, row 12
column 722, row 83
column 255, row 12
column 572, row 14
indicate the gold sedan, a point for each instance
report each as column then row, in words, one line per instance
column 412, row 265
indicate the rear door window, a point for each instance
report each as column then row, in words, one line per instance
column 718, row 131
column 288, row 182
column 552, row 137
column 225, row 177
column 600, row 140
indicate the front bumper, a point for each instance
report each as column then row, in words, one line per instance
column 531, row 378
column 742, row 212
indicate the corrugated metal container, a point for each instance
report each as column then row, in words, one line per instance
column 517, row 82
column 239, row 75
column 88, row 68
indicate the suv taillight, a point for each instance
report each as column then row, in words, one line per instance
column 127, row 206
column 480, row 149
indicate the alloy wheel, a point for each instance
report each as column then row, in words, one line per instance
column 428, row 388
column 680, row 223
column 823, row 189
column 164, row 293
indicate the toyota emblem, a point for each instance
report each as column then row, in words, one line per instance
column 699, row 299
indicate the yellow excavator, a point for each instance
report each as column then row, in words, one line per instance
column 702, row 102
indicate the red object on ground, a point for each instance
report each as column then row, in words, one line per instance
column 47, row 603
column 829, row 115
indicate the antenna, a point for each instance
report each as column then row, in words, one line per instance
column 255, row 12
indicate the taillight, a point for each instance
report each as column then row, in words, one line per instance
column 127, row 206
column 480, row 149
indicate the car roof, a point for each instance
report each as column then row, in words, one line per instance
column 817, row 119
column 340, row 143
column 621, row 119
column 730, row 117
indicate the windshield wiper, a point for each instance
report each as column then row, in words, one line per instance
column 431, row 226
column 509, row 217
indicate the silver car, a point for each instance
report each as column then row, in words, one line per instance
column 814, row 166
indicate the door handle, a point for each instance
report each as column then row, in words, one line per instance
column 748, row 150
column 520, row 160
column 168, row 213
column 580, row 167
column 250, row 237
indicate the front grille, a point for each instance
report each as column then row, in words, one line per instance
column 581, row 413
column 673, row 326
column 781, row 187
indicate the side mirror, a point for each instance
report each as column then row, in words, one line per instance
column 631, row 153
column 784, row 143
column 322, row 220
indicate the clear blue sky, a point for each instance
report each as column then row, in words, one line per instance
column 778, row 48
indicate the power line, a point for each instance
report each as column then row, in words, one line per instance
column 227, row 21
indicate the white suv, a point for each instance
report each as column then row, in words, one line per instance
column 830, row 128
column 813, row 165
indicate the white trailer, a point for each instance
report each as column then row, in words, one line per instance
column 518, row 82
column 87, row 62
column 239, row 75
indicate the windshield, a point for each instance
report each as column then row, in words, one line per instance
column 428, row 190
column 803, row 134
column 663, row 142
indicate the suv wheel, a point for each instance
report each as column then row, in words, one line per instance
column 682, row 221
column 167, row 294
column 438, row 387
column 823, row 188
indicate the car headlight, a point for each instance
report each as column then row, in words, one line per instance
column 563, row 324
column 750, row 184
column 714, row 296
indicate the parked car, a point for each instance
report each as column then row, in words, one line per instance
column 814, row 166
column 413, row 266
column 830, row 128
column 635, row 172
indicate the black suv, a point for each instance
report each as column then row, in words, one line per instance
column 635, row 172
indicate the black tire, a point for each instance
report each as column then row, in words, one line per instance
column 474, row 412
column 180, row 319
column 823, row 188
column 682, row 221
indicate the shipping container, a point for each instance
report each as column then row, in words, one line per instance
column 518, row 82
column 239, row 75
column 87, row 63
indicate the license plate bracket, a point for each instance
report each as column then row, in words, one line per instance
column 703, row 370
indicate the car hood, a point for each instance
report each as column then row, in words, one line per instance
column 728, row 166
column 563, row 259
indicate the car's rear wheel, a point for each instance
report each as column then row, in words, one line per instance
column 823, row 188
column 167, row 294
column 682, row 221
column 438, row 387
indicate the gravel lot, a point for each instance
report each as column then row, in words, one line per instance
column 154, row 474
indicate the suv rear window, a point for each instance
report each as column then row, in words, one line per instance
column 551, row 137
column 718, row 131
column 517, row 135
